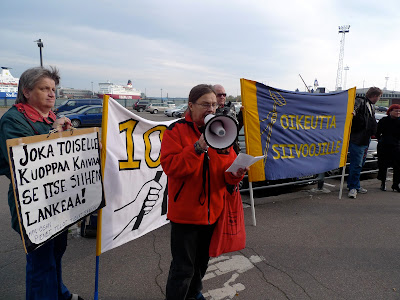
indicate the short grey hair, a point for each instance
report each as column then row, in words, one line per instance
column 31, row 77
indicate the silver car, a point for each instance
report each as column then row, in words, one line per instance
column 171, row 112
column 154, row 108
column 180, row 113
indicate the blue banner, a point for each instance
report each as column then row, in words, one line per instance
column 300, row 134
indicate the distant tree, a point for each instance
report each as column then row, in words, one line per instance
column 143, row 95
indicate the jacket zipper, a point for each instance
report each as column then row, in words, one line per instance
column 179, row 191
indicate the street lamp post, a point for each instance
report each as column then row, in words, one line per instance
column 92, row 89
column 40, row 45
column 346, row 68
column 343, row 30
column 161, row 96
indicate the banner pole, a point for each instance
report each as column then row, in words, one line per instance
column 99, row 214
column 253, row 211
column 96, row 281
column 341, row 182
column 98, row 252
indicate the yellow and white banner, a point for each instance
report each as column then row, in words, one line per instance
column 135, row 186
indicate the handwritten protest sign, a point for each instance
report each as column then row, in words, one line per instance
column 57, row 181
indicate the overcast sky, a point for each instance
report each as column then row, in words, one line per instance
column 173, row 45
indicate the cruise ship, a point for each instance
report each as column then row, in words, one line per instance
column 118, row 91
column 8, row 84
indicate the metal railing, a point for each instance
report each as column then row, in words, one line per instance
column 312, row 180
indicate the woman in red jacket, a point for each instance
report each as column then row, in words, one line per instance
column 196, row 186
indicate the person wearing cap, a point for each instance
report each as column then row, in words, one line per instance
column 388, row 135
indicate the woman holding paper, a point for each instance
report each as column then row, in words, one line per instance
column 196, row 190
column 32, row 115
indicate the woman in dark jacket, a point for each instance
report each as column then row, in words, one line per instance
column 32, row 115
column 388, row 135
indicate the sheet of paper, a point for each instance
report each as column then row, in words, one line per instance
column 242, row 161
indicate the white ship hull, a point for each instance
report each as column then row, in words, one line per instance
column 8, row 84
column 118, row 91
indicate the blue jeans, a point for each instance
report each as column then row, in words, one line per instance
column 43, row 271
column 358, row 154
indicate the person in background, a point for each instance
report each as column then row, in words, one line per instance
column 388, row 135
column 196, row 189
column 32, row 115
column 362, row 128
column 221, row 95
column 221, row 99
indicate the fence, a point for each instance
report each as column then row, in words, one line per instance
column 312, row 179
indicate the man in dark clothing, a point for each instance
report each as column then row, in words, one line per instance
column 224, row 107
column 363, row 127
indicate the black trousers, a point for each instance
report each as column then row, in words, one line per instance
column 190, row 255
column 389, row 156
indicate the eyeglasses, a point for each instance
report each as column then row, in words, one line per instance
column 207, row 105
column 221, row 94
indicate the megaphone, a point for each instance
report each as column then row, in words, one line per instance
column 221, row 131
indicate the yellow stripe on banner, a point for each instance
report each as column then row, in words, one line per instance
column 104, row 123
column 252, row 128
column 347, row 126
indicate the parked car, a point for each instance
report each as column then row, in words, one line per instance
column 180, row 113
column 89, row 116
column 73, row 111
column 381, row 108
column 154, row 108
column 140, row 105
column 379, row 116
column 237, row 105
column 372, row 155
column 170, row 112
column 71, row 104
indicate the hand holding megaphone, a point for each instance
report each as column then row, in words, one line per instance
column 220, row 131
column 202, row 142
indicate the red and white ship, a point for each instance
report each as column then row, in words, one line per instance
column 118, row 91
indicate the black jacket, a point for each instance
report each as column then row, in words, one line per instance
column 388, row 132
column 364, row 124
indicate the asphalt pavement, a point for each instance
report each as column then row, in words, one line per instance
column 306, row 245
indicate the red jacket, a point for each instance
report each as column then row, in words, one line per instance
column 191, row 199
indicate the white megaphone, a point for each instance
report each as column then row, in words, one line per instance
column 221, row 131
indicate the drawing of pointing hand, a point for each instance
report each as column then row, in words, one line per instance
column 149, row 191
column 153, row 189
